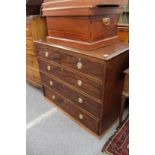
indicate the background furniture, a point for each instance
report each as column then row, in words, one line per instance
column 123, row 32
column 123, row 26
column 125, row 94
column 35, row 30
column 33, row 7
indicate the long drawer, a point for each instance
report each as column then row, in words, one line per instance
column 79, row 63
column 89, row 87
column 76, row 97
column 79, row 114
column 32, row 61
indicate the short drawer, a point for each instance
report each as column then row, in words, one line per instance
column 32, row 61
column 77, row 98
column 28, row 31
column 79, row 63
column 87, row 86
column 79, row 114
column 33, row 74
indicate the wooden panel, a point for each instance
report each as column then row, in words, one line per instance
column 91, row 28
column 29, row 44
column 84, row 65
column 86, row 3
column 123, row 33
column 79, row 63
column 32, row 61
column 102, row 30
column 87, row 86
column 126, row 82
column 33, row 74
column 80, row 115
column 39, row 28
column 63, row 27
column 113, row 87
column 83, row 45
column 100, row 55
column 85, row 103
column 28, row 31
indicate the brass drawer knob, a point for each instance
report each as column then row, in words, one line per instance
column 48, row 68
column 51, row 83
column 79, row 82
column 53, row 97
column 79, row 65
column 46, row 54
column 80, row 100
column 80, row 116
column 106, row 21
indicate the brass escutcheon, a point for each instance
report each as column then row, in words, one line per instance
column 106, row 21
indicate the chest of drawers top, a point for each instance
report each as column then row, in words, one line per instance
column 100, row 55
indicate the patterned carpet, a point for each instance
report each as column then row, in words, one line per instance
column 119, row 143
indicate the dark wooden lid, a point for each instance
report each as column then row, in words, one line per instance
column 79, row 7
column 105, row 53
column 71, row 3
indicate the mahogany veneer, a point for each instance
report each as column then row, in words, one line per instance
column 86, row 85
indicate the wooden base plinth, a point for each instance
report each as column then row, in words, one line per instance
column 81, row 44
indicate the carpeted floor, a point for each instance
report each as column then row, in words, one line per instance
column 50, row 132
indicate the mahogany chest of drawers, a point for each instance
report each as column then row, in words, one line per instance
column 35, row 30
column 86, row 85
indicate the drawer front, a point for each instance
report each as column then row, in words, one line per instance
column 33, row 75
column 77, row 98
column 89, row 87
column 28, row 31
column 29, row 44
column 32, row 61
column 83, row 65
column 79, row 63
column 80, row 115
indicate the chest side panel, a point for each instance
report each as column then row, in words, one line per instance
column 113, row 85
